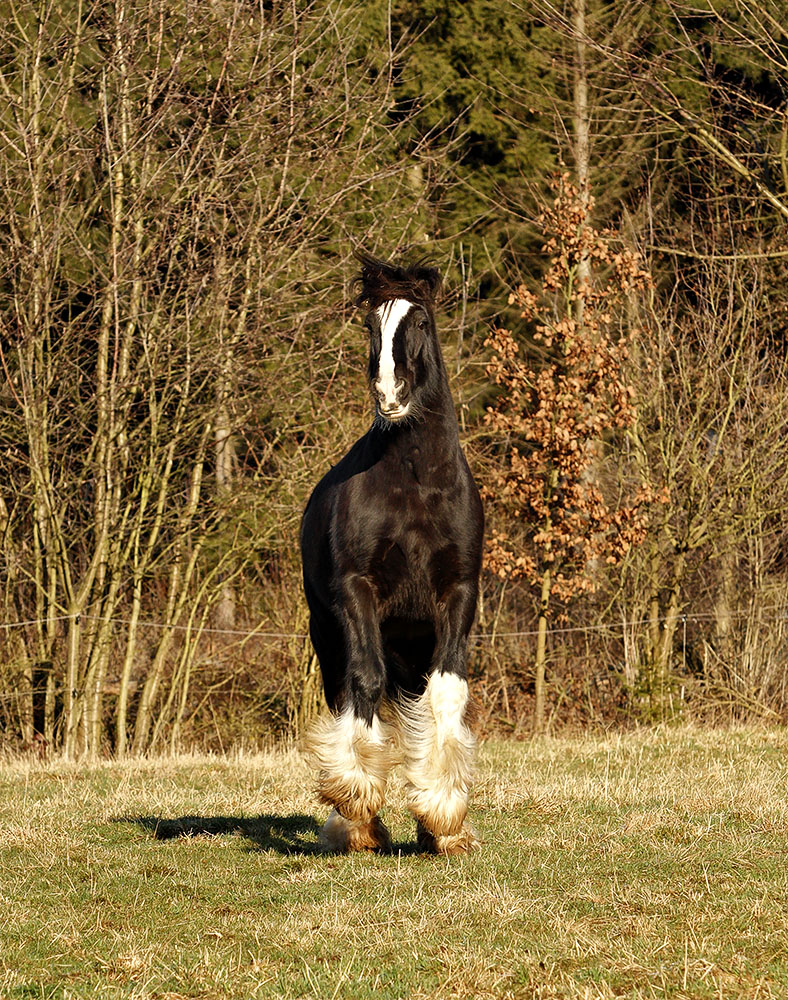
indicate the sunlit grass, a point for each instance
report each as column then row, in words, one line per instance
column 647, row 865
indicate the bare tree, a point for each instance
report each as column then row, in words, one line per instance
column 180, row 186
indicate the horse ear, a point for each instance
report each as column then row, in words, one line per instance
column 430, row 279
column 374, row 275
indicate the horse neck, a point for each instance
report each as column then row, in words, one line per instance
column 435, row 430
column 439, row 414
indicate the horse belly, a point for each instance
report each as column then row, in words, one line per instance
column 409, row 644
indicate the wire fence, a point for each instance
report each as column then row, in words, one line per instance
column 623, row 629
column 623, row 625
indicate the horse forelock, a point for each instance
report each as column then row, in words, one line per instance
column 381, row 282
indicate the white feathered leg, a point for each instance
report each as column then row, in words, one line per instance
column 439, row 751
column 354, row 761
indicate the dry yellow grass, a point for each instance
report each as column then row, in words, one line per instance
column 645, row 865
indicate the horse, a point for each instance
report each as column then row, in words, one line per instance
column 391, row 546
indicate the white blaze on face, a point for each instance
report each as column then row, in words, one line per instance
column 390, row 315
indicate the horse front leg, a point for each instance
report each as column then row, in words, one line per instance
column 353, row 747
column 439, row 747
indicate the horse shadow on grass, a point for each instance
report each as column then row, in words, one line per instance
column 287, row 835
column 295, row 834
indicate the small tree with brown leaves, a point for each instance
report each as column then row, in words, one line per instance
column 557, row 416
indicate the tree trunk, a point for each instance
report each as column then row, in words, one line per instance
column 541, row 646
column 224, row 615
column 580, row 125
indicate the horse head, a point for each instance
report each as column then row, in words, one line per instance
column 405, row 364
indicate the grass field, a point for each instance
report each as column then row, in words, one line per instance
column 646, row 865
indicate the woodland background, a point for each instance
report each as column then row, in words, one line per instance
column 183, row 184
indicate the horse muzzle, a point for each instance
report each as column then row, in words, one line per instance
column 393, row 412
column 388, row 394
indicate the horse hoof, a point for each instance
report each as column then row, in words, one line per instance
column 453, row 843
column 340, row 835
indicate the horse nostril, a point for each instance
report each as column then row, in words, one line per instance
column 402, row 389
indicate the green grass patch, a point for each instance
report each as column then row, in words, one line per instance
column 646, row 865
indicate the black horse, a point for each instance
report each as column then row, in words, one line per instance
column 391, row 542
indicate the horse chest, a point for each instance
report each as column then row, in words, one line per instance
column 410, row 550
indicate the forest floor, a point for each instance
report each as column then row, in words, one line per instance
column 652, row 864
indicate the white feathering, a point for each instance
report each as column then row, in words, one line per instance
column 354, row 760
column 439, row 751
